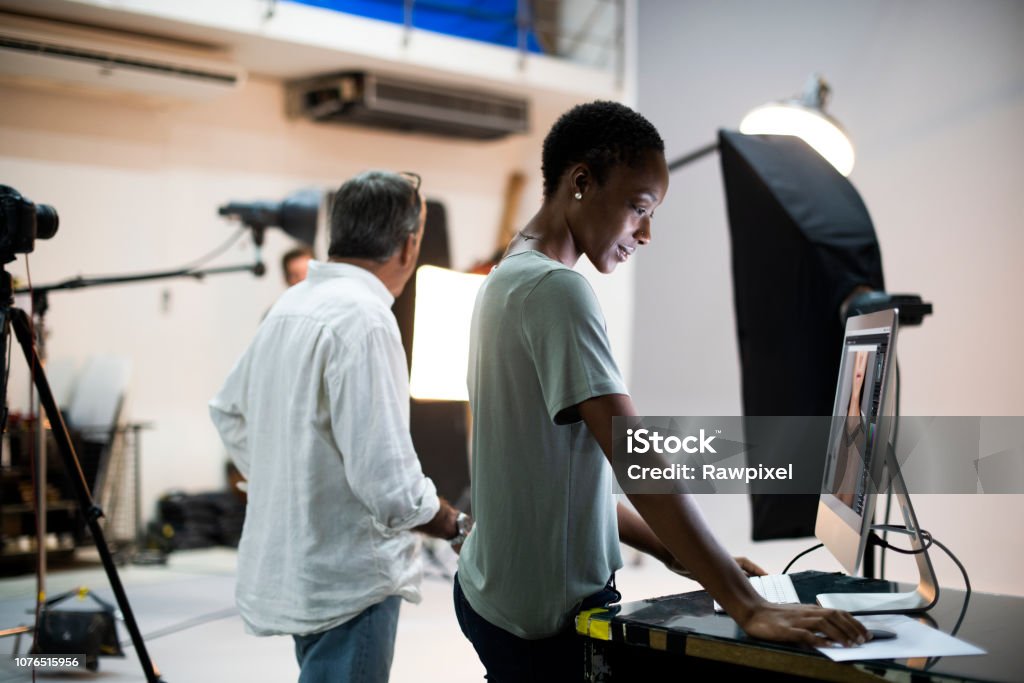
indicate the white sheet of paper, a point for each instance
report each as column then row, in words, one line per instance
column 913, row 639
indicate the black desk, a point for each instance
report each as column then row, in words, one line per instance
column 680, row 637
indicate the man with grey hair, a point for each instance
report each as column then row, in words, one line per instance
column 316, row 416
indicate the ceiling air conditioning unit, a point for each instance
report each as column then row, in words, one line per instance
column 55, row 54
column 381, row 101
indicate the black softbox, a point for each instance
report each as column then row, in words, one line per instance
column 802, row 240
column 439, row 428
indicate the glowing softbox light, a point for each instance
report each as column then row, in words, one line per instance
column 440, row 348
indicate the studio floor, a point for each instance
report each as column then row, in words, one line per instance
column 194, row 634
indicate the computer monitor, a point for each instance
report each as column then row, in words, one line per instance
column 860, row 464
column 860, row 425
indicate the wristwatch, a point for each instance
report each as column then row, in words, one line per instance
column 463, row 523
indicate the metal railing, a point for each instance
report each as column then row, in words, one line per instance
column 587, row 32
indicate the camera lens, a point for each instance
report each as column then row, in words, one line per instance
column 46, row 221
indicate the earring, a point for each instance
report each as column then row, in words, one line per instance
column 578, row 195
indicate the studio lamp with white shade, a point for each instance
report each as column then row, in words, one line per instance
column 803, row 116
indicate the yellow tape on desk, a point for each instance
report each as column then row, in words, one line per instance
column 594, row 623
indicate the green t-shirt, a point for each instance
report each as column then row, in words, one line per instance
column 546, row 534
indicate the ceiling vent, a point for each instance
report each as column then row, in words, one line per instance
column 35, row 51
column 403, row 104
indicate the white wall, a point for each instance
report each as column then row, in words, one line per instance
column 137, row 188
column 932, row 94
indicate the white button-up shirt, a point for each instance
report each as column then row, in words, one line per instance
column 315, row 414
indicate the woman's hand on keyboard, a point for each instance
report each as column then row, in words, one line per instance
column 749, row 568
column 808, row 624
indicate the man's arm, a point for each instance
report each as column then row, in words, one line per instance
column 442, row 525
column 372, row 434
column 680, row 527
column 445, row 524
column 231, row 425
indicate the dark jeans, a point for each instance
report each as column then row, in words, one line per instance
column 511, row 659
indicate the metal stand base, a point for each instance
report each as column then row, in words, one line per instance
column 927, row 592
column 875, row 603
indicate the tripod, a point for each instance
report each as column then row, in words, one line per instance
column 10, row 316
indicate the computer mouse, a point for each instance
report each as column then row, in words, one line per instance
column 881, row 634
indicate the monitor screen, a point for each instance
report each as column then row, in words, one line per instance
column 861, row 423
column 856, row 423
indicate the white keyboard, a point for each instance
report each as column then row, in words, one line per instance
column 776, row 588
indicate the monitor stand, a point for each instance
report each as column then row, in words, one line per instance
column 919, row 600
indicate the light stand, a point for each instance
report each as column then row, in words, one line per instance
column 91, row 512
column 21, row 223
column 16, row 318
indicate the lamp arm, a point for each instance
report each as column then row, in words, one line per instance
column 692, row 156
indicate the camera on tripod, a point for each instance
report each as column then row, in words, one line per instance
column 22, row 223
